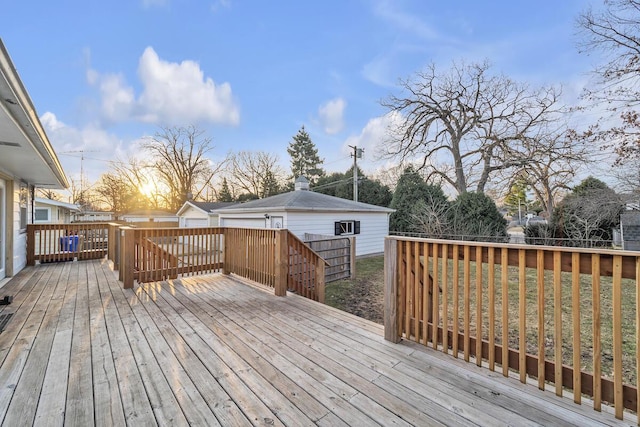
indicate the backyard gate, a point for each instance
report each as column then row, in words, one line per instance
column 338, row 252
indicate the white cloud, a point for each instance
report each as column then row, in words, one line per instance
column 180, row 93
column 379, row 70
column 389, row 11
column 173, row 94
column 90, row 148
column 331, row 115
column 118, row 99
column 377, row 133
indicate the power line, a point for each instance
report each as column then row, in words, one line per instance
column 331, row 184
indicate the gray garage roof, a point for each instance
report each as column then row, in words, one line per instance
column 206, row 207
column 303, row 200
column 211, row 206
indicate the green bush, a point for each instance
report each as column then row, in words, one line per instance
column 476, row 217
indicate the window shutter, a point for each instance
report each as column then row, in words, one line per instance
column 356, row 227
column 336, row 228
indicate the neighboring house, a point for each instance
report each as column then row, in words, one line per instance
column 28, row 161
column 630, row 230
column 149, row 216
column 303, row 211
column 93, row 216
column 47, row 211
column 200, row 214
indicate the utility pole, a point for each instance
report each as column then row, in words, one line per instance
column 357, row 154
column 72, row 153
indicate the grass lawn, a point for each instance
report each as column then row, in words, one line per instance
column 362, row 296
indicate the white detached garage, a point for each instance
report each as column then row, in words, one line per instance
column 199, row 214
column 303, row 211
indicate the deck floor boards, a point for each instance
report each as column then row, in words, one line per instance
column 218, row 350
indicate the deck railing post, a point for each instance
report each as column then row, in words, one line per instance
column 31, row 245
column 127, row 257
column 111, row 244
column 282, row 263
column 226, row 254
column 320, row 264
column 391, row 290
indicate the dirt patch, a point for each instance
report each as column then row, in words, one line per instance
column 363, row 296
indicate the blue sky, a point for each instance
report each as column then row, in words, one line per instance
column 251, row 73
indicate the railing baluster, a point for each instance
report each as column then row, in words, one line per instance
column 467, row 302
column 597, row 351
column 504, row 263
column 421, row 291
column 456, row 299
column 557, row 319
column 541, row 329
column 522, row 304
column 637, row 286
column 617, row 336
column 478, row 305
column 491, row 277
column 435, row 294
column 409, row 290
column 445, row 298
column 575, row 311
column 416, row 291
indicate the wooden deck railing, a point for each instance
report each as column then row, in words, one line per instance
column 62, row 242
column 275, row 258
column 568, row 317
column 306, row 275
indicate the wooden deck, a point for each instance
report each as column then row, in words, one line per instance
column 80, row 350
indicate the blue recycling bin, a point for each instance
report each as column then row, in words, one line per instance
column 69, row 243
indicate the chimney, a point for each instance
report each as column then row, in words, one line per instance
column 301, row 184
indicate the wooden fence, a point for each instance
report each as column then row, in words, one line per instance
column 64, row 242
column 338, row 252
column 568, row 317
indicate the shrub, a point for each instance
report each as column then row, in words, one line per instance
column 476, row 217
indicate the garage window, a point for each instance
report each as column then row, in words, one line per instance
column 42, row 214
column 346, row 227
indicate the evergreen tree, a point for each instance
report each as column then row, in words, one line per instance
column 410, row 189
column 269, row 185
column 517, row 196
column 225, row 193
column 476, row 217
column 304, row 157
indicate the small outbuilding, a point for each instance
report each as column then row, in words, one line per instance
column 200, row 214
column 48, row 211
column 150, row 218
column 304, row 211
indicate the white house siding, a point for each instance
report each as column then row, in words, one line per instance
column 374, row 227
